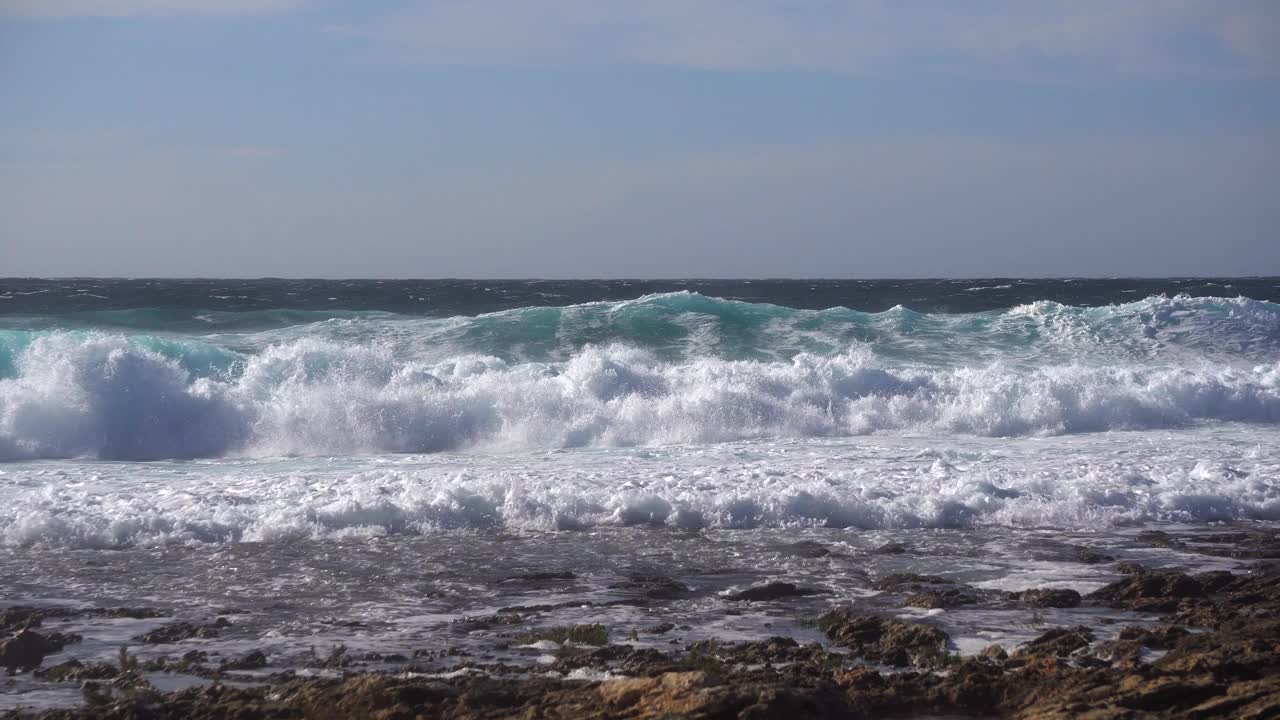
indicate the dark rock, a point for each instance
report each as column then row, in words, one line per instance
column 179, row 631
column 940, row 599
column 660, row 628
column 585, row 634
column 1159, row 538
column 485, row 622
column 657, row 587
column 1048, row 598
column 76, row 671
column 24, row 651
column 252, row 661
column 892, row 548
column 1212, row 582
column 1089, row 556
column 774, row 591
column 808, row 549
column 19, row 618
column 56, row 641
column 908, row 581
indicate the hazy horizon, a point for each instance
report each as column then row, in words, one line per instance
column 623, row 278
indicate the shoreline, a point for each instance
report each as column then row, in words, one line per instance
column 1200, row 645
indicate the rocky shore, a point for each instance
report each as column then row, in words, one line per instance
column 1203, row 645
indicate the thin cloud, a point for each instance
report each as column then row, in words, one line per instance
column 1137, row 37
column 54, row 9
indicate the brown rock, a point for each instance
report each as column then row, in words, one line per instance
column 1149, row 592
column 1059, row 642
column 886, row 640
column 995, row 652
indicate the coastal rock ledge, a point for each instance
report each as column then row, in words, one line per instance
column 1228, row 665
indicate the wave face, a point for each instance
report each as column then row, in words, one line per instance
column 671, row 368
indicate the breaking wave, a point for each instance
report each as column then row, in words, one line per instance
column 78, row 395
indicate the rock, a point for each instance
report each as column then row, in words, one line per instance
column 1247, row 651
column 1149, row 592
column 907, row 580
column 672, row 695
column 1059, row 642
column 660, row 628
column 76, row 671
column 252, row 661
column 1048, row 598
column 24, row 651
column 1159, row 538
column 1129, row 568
column 808, row 549
column 774, row 591
column 940, row 599
column 179, row 631
column 592, row 634
column 1231, row 672
column 19, row 618
column 892, row 548
column 1089, row 556
column 486, row 622
column 1163, row 637
column 1137, row 692
column 1214, row 581
column 886, row 640
column 995, row 652
column 657, row 587
column 56, row 641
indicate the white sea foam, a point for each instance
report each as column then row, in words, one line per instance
column 106, row 397
column 1076, row 482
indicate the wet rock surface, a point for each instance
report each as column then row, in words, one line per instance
column 1174, row 645
column 23, row 651
column 774, row 591
column 1048, row 598
column 656, row 587
column 1226, row 673
column 179, row 631
column 886, row 640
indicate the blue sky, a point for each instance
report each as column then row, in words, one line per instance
column 516, row 138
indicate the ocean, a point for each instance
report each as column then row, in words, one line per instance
column 370, row 464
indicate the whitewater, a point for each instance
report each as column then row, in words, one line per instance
column 188, row 425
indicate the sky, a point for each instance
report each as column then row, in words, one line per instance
column 642, row 138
